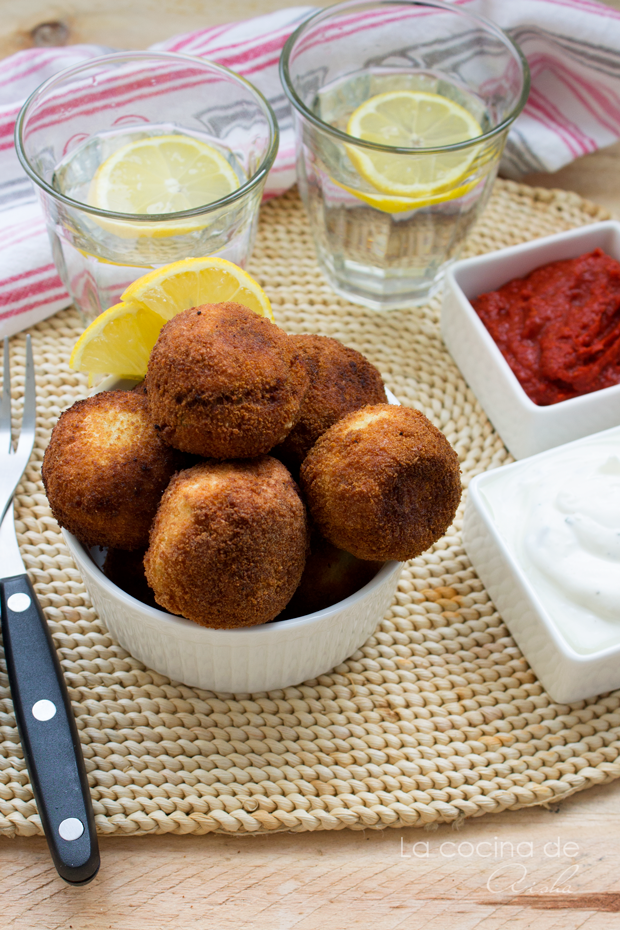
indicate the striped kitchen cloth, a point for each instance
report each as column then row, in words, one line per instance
column 573, row 49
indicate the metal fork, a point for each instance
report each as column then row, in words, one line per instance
column 13, row 462
column 41, row 702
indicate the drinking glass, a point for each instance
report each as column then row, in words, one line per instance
column 74, row 126
column 387, row 219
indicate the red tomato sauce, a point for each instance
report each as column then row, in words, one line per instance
column 559, row 327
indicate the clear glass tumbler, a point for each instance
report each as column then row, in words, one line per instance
column 81, row 134
column 402, row 108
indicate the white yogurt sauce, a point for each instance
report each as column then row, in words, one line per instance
column 560, row 517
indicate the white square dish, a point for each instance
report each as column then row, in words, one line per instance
column 574, row 650
column 525, row 427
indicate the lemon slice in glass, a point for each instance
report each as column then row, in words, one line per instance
column 412, row 119
column 119, row 341
column 159, row 175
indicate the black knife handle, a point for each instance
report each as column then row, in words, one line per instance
column 48, row 733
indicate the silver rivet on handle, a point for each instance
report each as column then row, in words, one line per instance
column 44, row 710
column 18, row 602
column 71, row 829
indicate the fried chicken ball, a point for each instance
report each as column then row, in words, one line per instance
column 341, row 380
column 224, row 382
column 126, row 570
column 382, row 483
column 106, row 468
column 228, row 544
column 330, row 575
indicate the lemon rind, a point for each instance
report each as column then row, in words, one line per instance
column 415, row 194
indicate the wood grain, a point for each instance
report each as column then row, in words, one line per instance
column 534, row 868
column 595, row 177
column 330, row 881
column 119, row 24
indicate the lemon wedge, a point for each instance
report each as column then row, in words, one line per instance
column 195, row 281
column 412, row 119
column 159, row 175
column 119, row 341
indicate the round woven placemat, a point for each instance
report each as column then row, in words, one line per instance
column 438, row 717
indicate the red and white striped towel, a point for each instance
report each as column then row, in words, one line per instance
column 573, row 48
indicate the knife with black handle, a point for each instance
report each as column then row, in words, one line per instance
column 45, row 720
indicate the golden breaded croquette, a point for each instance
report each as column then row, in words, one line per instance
column 126, row 570
column 224, row 382
column 330, row 575
column 228, row 544
column 341, row 380
column 106, row 468
column 382, row 483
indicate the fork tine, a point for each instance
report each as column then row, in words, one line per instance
column 5, row 415
column 13, row 462
column 30, row 403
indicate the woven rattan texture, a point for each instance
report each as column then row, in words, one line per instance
column 437, row 718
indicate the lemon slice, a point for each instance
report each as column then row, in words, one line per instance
column 413, row 119
column 118, row 342
column 195, row 281
column 403, row 204
column 162, row 174
column 158, row 175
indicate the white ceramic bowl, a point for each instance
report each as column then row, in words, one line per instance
column 571, row 660
column 261, row 658
column 525, row 427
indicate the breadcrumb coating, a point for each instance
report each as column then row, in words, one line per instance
column 228, row 545
column 382, row 483
column 106, row 468
column 224, row 382
column 330, row 575
column 341, row 380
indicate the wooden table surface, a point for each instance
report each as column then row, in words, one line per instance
column 549, row 869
